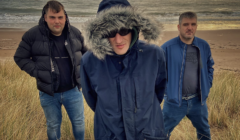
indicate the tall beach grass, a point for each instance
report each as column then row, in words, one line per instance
column 22, row 118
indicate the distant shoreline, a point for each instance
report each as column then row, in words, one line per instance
column 202, row 25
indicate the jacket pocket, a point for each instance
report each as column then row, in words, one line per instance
column 154, row 135
column 44, row 76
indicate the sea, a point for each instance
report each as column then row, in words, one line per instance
column 212, row 14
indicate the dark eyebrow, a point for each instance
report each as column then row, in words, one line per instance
column 56, row 17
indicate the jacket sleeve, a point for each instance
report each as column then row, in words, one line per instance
column 89, row 94
column 23, row 55
column 210, row 64
column 80, row 37
column 160, row 85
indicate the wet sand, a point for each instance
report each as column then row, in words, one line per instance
column 225, row 45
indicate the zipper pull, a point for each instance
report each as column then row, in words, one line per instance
column 52, row 66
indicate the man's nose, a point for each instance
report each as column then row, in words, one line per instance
column 56, row 20
column 118, row 38
column 189, row 27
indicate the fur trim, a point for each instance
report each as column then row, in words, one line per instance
column 117, row 18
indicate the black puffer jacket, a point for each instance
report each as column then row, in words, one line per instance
column 34, row 54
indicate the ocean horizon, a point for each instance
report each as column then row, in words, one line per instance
column 212, row 14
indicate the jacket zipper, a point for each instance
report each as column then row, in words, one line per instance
column 136, row 105
column 181, row 77
column 119, row 94
column 73, row 60
column 51, row 64
column 66, row 43
column 199, row 61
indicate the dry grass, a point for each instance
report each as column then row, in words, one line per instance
column 22, row 117
column 224, row 110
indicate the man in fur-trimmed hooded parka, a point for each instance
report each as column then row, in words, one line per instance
column 123, row 79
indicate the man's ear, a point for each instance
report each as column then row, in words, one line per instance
column 178, row 26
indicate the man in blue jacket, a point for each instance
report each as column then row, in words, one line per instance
column 123, row 79
column 190, row 75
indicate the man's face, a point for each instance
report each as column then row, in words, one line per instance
column 120, row 43
column 55, row 21
column 187, row 29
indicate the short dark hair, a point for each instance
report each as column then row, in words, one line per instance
column 54, row 5
column 188, row 14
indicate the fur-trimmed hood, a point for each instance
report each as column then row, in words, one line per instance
column 117, row 17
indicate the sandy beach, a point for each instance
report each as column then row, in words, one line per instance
column 225, row 45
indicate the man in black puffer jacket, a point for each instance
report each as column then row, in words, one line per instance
column 51, row 52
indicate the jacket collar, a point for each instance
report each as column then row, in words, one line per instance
column 126, row 59
column 182, row 44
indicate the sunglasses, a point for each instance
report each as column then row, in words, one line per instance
column 122, row 32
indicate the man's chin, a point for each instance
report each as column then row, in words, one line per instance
column 189, row 37
column 56, row 32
